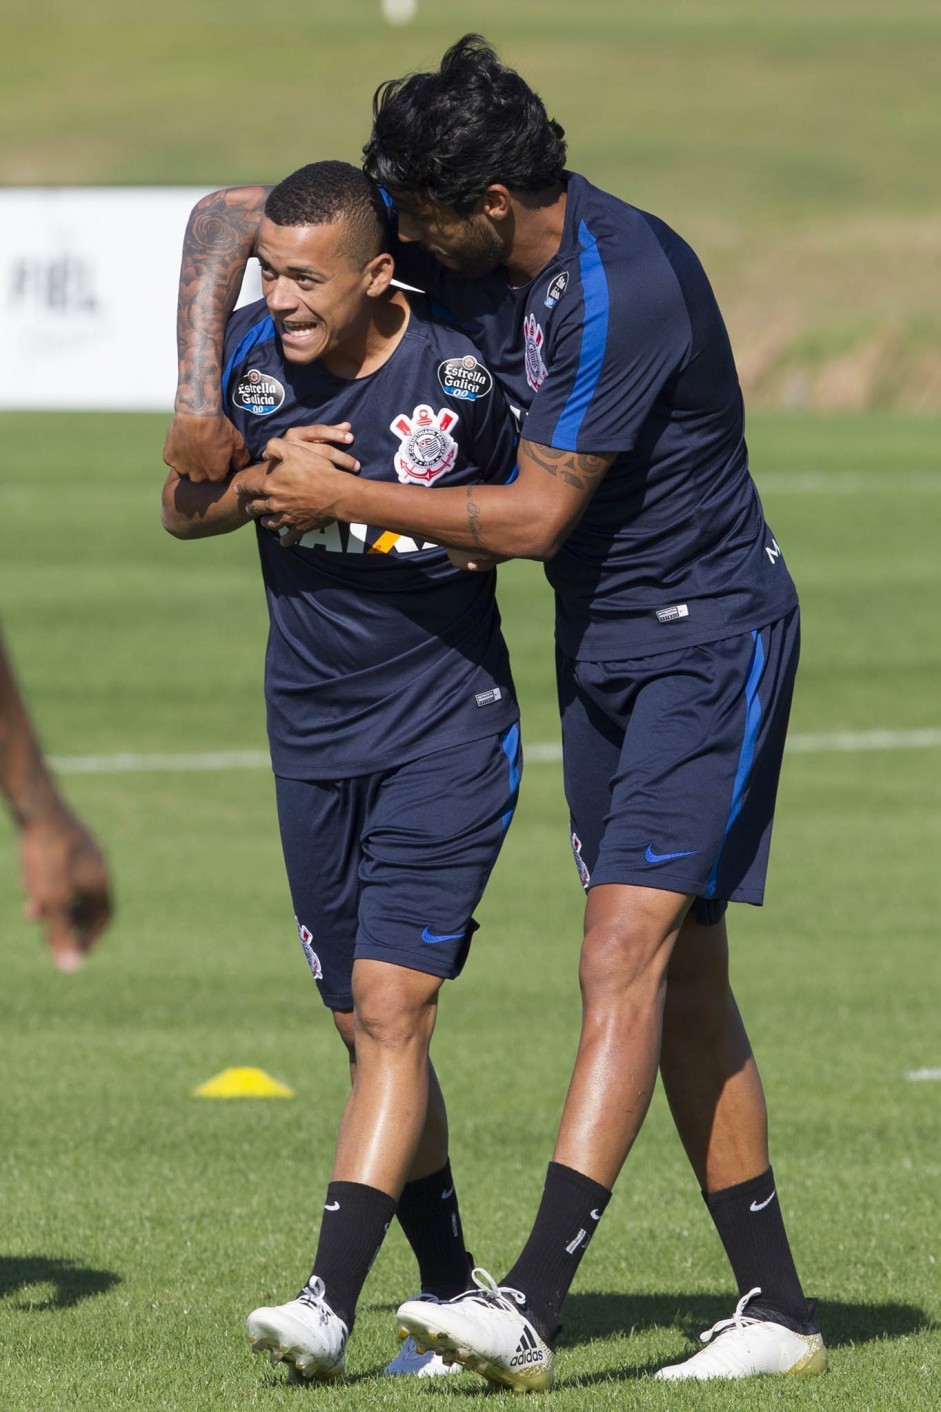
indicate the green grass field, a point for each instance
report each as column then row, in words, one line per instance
column 795, row 144
column 140, row 1224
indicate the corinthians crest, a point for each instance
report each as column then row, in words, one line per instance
column 428, row 449
column 536, row 369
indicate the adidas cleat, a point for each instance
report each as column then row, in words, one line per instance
column 742, row 1347
column 304, row 1334
column 487, row 1332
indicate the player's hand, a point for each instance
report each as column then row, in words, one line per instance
column 322, row 434
column 477, row 563
column 296, row 492
column 67, row 884
column 204, row 448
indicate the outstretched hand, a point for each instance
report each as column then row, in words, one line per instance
column 67, row 884
column 204, row 448
column 294, row 492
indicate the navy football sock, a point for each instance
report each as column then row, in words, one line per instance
column 355, row 1220
column 428, row 1214
column 751, row 1227
column 571, row 1207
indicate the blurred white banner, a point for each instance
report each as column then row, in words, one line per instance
column 88, row 281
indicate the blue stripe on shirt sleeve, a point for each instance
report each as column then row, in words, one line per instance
column 594, row 340
column 258, row 333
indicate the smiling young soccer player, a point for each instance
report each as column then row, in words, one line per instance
column 392, row 717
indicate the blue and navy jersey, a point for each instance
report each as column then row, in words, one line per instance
column 618, row 346
column 379, row 651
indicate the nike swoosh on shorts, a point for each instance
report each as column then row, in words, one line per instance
column 652, row 857
column 433, row 937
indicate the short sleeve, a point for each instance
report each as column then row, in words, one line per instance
column 610, row 352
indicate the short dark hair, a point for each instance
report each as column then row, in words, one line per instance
column 447, row 136
column 323, row 192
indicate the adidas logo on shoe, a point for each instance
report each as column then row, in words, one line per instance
column 527, row 1351
column 487, row 1332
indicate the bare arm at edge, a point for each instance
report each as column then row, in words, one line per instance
column 220, row 238
column 528, row 519
column 64, row 872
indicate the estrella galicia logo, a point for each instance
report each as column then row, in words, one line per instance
column 258, row 393
column 464, row 378
column 556, row 289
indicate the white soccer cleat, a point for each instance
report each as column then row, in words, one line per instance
column 487, row 1332
column 408, row 1360
column 424, row 1364
column 747, row 1348
column 305, row 1334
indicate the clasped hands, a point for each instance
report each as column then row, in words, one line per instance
column 294, row 489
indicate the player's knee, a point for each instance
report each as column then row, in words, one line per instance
column 618, row 956
column 392, row 1023
column 387, row 1029
column 394, row 1007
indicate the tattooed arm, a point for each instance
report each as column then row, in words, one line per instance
column 220, row 237
column 528, row 519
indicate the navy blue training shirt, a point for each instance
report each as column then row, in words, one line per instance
column 379, row 651
column 618, row 346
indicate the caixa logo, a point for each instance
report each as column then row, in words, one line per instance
column 258, row 393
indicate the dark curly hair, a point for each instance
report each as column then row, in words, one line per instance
column 323, row 192
column 447, row 136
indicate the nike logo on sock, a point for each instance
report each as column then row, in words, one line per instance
column 332, row 1206
column 595, row 1215
column 760, row 1205
column 446, row 1194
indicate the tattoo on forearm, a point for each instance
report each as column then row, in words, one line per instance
column 219, row 239
column 576, row 468
column 473, row 518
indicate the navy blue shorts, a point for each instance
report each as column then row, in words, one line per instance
column 671, row 764
column 390, row 866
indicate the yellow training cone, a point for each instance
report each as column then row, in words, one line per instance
column 243, row 1083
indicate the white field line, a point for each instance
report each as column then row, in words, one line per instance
column 540, row 753
column 128, row 763
column 852, row 741
column 924, row 1075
